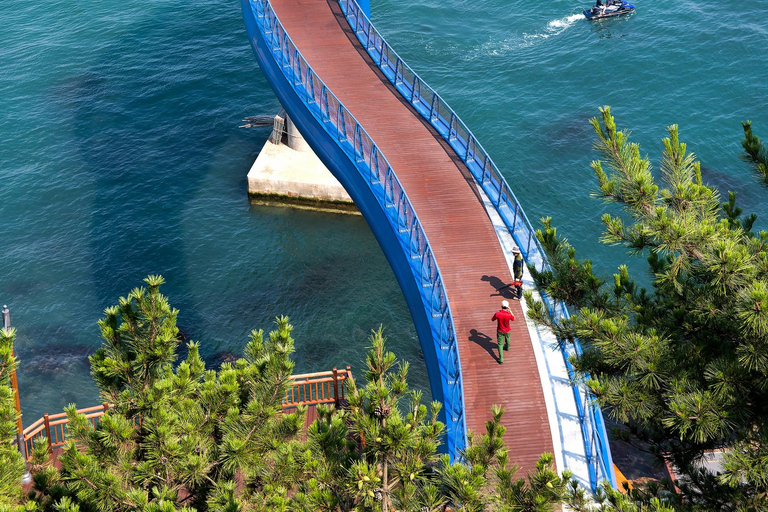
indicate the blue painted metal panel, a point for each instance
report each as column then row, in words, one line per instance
column 365, row 5
column 352, row 156
column 437, row 112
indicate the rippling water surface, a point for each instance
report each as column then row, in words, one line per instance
column 121, row 157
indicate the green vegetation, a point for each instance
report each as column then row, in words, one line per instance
column 685, row 364
column 180, row 437
column 11, row 462
column 754, row 152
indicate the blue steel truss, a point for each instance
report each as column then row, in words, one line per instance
column 374, row 168
column 487, row 176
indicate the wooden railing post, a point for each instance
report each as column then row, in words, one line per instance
column 48, row 433
column 336, row 386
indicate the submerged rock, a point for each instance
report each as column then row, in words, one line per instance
column 215, row 361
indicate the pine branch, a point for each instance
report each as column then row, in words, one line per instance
column 755, row 152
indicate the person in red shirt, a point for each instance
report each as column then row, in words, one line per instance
column 504, row 318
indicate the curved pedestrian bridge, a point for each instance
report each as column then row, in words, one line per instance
column 444, row 217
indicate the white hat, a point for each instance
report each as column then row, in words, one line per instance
column 505, row 304
column 515, row 249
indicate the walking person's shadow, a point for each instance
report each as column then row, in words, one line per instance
column 485, row 342
column 500, row 288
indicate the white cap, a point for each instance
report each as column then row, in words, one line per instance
column 515, row 249
column 505, row 304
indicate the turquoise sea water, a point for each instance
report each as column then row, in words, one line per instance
column 121, row 156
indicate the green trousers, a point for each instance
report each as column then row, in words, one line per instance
column 503, row 340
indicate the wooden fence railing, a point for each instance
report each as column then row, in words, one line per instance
column 54, row 427
column 318, row 388
column 307, row 389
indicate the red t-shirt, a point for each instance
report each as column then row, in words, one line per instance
column 503, row 318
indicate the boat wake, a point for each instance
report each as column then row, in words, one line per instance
column 563, row 23
column 553, row 28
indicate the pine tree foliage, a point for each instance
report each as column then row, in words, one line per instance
column 380, row 451
column 754, row 151
column 610, row 500
column 496, row 486
column 141, row 339
column 11, row 462
column 175, row 438
column 182, row 438
column 687, row 361
column 48, row 489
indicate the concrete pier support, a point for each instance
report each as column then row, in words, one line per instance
column 295, row 141
column 287, row 172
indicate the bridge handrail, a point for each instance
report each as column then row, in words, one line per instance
column 385, row 185
column 434, row 109
column 306, row 389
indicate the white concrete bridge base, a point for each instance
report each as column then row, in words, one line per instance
column 287, row 172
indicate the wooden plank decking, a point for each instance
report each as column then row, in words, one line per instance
column 456, row 223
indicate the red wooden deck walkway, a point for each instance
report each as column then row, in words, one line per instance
column 443, row 195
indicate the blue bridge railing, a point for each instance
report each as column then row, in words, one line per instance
column 382, row 180
column 487, row 176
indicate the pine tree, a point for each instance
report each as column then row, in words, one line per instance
column 754, row 151
column 611, row 500
column 11, row 462
column 140, row 343
column 183, row 438
column 496, row 485
column 687, row 362
column 379, row 452
column 174, row 438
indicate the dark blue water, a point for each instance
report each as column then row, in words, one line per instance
column 527, row 76
column 121, row 156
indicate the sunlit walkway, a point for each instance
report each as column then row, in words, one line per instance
column 460, row 232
